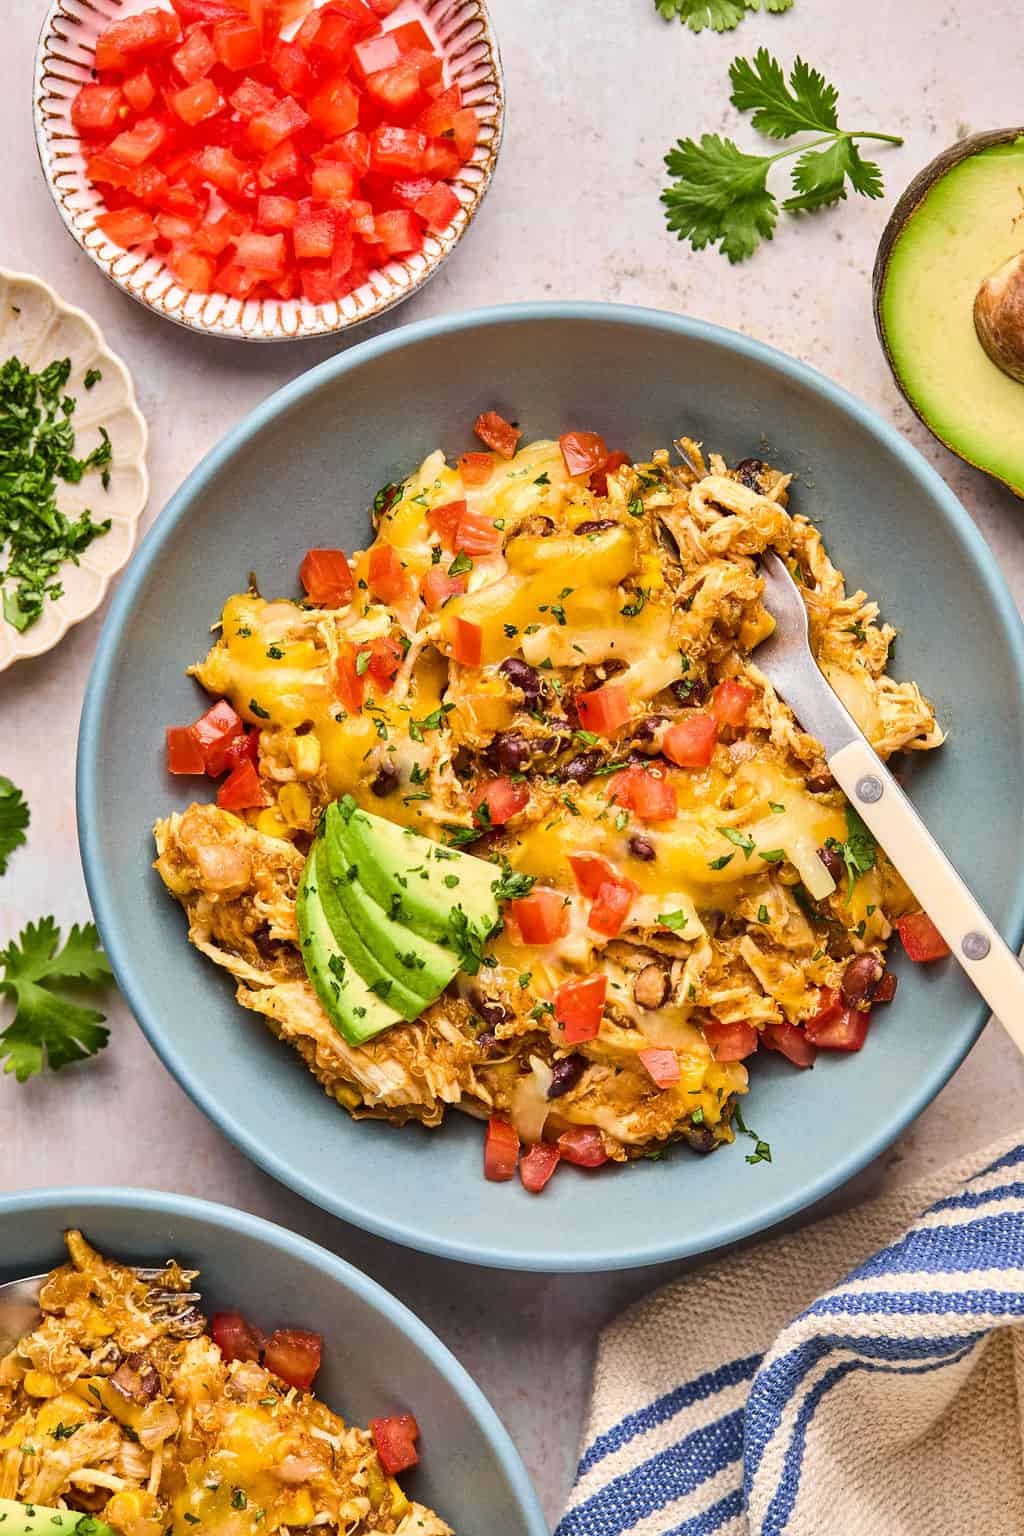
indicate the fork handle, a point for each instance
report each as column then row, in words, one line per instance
column 973, row 938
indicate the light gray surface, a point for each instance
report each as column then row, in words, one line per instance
column 597, row 92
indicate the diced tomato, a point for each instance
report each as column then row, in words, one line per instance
column 591, row 871
column 196, row 102
column 333, row 182
column 395, row 1439
column 238, row 44
column 184, row 754
column 437, row 587
column 437, row 207
column 537, row 1166
column 333, row 39
column 335, row 109
column 244, row 748
column 354, row 147
column 274, row 212
column 386, row 656
column 598, row 481
column 127, row 226
column 445, row 519
column 394, row 150
column 603, row 709
column 195, row 273
column 281, row 165
column 264, row 254
column 411, row 34
column 137, row 144
column 466, row 130
column 251, row 97
column 846, row 1032
column 579, row 1006
column 314, row 233
column 196, row 56
column 327, row 578
column 476, row 534
column 730, row 1042
column 438, row 118
column 408, row 190
column 349, row 684
column 467, row 642
column 662, row 1064
column 149, row 33
column 269, row 129
column 242, row 789
column 501, row 1152
column 690, row 743
column 214, row 730
column 428, row 65
column 97, row 108
column 440, row 159
column 384, row 7
column 921, row 939
column 583, row 452
column 398, row 93
column 375, row 53
column 139, row 90
column 542, row 917
column 294, row 1355
column 830, row 1006
column 497, row 433
column 224, row 169
column 886, row 989
column 399, row 232
column 235, row 1338
column 357, row 12
column 583, row 1145
column 502, row 798
column 646, row 792
column 290, row 68
column 730, row 702
column 214, row 236
column 388, row 577
column 611, row 908
column 205, row 10
column 790, row 1042
column 476, row 468
column 318, row 286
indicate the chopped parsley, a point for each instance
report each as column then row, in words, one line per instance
column 721, row 861
column 631, row 610
column 92, row 377
column 740, row 839
column 856, row 630
column 635, row 508
column 859, row 852
column 460, row 564
column 675, row 920
column 773, row 856
column 762, row 1152
column 512, row 884
column 258, row 710
column 762, row 913
column 14, row 818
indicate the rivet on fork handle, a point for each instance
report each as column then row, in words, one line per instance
column 869, row 789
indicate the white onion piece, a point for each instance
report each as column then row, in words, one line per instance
column 803, row 855
column 530, row 1106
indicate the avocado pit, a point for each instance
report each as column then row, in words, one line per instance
column 999, row 316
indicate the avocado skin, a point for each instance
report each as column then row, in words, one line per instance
column 385, row 855
column 905, row 208
column 388, row 939
column 41, row 1520
column 340, row 997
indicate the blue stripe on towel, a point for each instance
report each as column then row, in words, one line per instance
column 988, row 1242
column 666, row 1407
column 673, row 1472
column 711, row 1519
column 973, row 1198
column 1008, row 1160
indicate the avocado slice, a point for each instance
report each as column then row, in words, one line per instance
column 414, row 963
column 957, row 223
column 356, row 1012
column 41, row 1520
column 431, row 883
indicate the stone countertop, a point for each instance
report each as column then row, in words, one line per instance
column 597, row 93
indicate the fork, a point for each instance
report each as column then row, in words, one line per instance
column 20, row 1311
column 787, row 661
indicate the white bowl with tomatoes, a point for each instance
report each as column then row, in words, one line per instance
column 268, row 169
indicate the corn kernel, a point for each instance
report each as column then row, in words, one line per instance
column 299, row 1509
column 295, row 805
column 350, row 1097
column 40, row 1384
column 272, row 824
column 304, row 755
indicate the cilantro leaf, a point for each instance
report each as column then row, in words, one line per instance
column 719, row 15
column 45, row 1023
column 14, row 818
column 719, row 194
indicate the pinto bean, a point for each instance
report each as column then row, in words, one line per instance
column 650, row 986
column 641, row 847
column 860, row 980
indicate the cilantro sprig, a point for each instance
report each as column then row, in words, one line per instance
column 860, row 851
column 719, row 15
column 14, row 818
column 719, row 194
column 46, row 1025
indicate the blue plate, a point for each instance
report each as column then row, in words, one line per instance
column 378, row 1358
column 299, row 471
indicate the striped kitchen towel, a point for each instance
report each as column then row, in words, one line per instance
column 763, row 1394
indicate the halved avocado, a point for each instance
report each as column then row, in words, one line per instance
column 958, row 222
column 357, row 946
column 356, row 1012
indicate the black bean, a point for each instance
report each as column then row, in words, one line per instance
column 712, row 920
column 821, row 782
column 386, row 781
column 579, row 768
column 692, row 694
column 565, row 1075
column 700, row 1137
column 522, row 677
column 488, row 1042
column 748, row 472
column 595, row 525
column 510, row 751
column 833, row 862
column 647, row 728
column 641, row 847
column 537, row 526
column 860, row 980
column 491, row 1012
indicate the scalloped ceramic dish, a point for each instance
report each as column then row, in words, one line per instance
column 465, row 39
column 378, row 1357
column 37, row 326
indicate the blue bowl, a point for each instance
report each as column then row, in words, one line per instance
column 298, row 472
column 378, row 1358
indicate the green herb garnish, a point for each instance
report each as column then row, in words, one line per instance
column 46, row 1024
column 719, row 15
